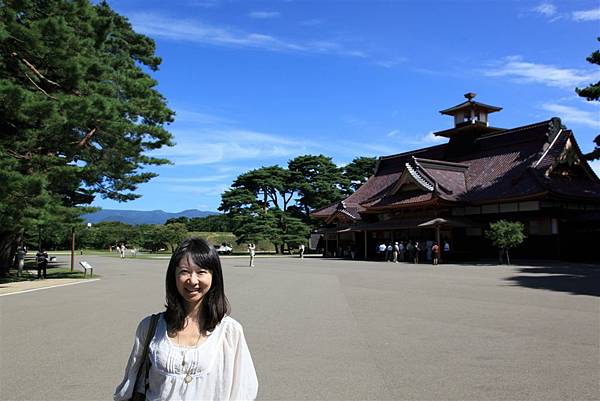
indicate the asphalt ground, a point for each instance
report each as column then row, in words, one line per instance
column 329, row 330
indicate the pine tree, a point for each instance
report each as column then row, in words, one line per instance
column 592, row 93
column 77, row 112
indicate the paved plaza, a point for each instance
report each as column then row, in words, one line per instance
column 329, row 330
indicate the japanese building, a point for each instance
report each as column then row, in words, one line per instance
column 535, row 174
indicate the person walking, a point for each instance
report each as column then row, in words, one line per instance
column 42, row 263
column 301, row 251
column 252, row 252
column 197, row 351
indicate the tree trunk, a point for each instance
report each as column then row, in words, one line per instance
column 507, row 258
column 9, row 242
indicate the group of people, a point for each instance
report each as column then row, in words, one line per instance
column 412, row 251
column 121, row 249
column 41, row 258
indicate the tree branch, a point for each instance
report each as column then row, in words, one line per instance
column 36, row 85
column 86, row 139
column 32, row 68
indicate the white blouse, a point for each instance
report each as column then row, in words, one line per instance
column 221, row 367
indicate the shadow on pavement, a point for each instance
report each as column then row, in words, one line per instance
column 580, row 280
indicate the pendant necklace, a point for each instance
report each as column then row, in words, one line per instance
column 188, row 376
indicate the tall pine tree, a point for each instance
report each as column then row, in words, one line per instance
column 77, row 112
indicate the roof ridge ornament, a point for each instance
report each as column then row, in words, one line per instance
column 470, row 96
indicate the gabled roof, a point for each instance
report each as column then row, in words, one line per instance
column 504, row 165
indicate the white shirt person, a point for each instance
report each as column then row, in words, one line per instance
column 197, row 352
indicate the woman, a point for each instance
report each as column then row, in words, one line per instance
column 197, row 352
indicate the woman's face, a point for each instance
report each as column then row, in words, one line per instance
column 193, row 281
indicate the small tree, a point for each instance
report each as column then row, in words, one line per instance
column 505, row 235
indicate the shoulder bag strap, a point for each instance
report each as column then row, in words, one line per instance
column 144, row 367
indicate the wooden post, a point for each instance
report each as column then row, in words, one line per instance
column 72, row 247
column 366, row 248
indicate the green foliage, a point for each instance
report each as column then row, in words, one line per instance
column 317, row 181
column 215, row 223
column 357, row 173
column 592, row 93
column 506, row 234
column 77, row 112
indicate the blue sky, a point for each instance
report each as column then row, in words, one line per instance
column 259, row 83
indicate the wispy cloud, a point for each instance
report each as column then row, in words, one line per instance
column 183, row 116
column 587, row 15
column 427, row 140
column 311, row 22
column 199, row 32
column 520, row 71
column 546, row 9
column 264, row 14
column 180, row 180
column 391, row 62
column 572, row 115
column 212, row 146
column 393, row 133
column 205, row 190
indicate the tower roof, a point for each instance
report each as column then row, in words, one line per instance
column 470, row 104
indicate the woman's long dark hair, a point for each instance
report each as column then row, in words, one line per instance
column 214, row 304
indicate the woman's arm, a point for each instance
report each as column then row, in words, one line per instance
column 124, row 391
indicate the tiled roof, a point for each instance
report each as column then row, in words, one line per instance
column 502, row 165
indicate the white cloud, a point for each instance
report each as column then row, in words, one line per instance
column 391, row 62
column 211, row 146
column 198, row 32
column 264, row 14
column 393, row 133
column 571, row 115
column 546, row 9
column 183, row 116
column 211, row 190
column 209, row 178
column 587, row 15
column 525, row 72
column 311, row 22
column 428, row 139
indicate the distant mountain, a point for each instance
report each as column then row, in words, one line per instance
column 140, row 216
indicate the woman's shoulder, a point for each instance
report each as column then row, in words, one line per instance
column 144, row 325
column 231, row 327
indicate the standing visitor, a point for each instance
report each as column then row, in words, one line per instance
column 410, row 250
column 42, row 263
column 395, row 252
column 20, row 260
column 252, row 252
column 417, row 252
column 435, row 250
column 301, row 251
column 446, row 251
column 197, row 351
column 382, row 250
column 402, row 250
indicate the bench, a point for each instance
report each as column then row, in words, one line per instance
column 86, row 266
